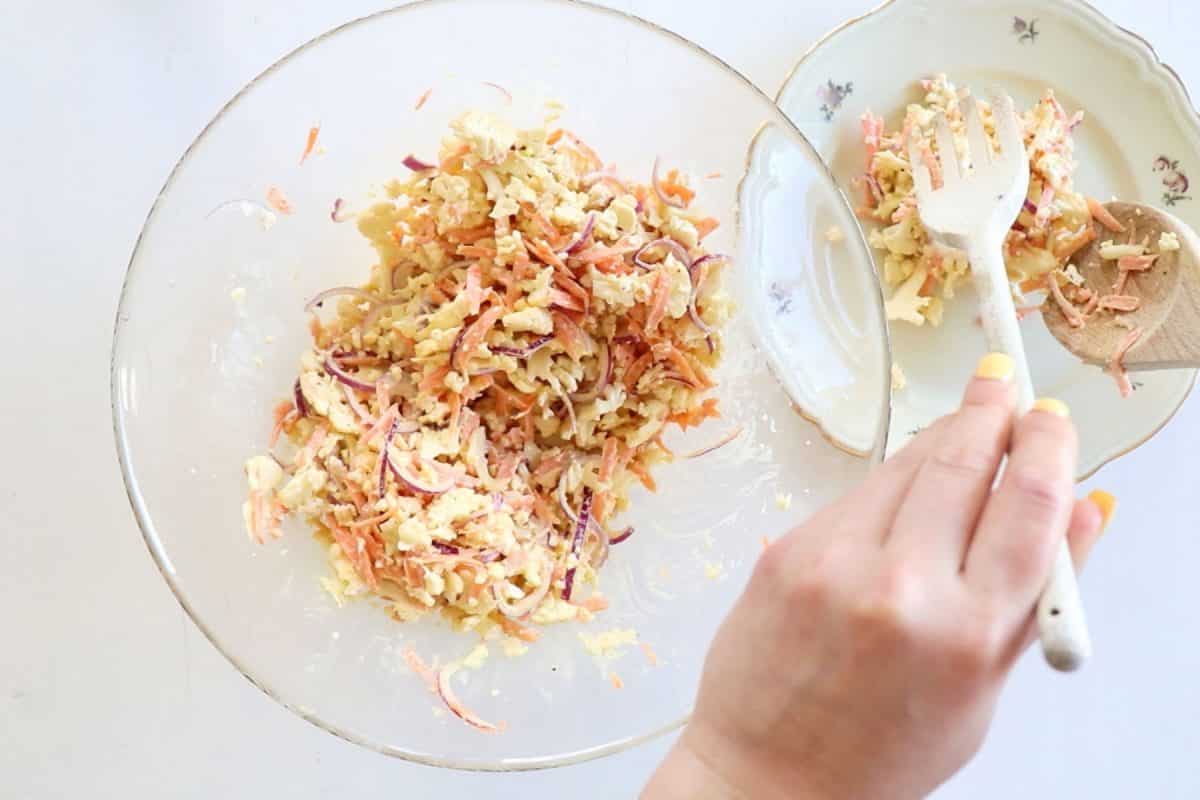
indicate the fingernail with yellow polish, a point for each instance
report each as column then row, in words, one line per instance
column 1052, row 406
column 996, row 367
column 1107, row 505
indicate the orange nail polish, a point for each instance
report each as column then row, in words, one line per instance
column 1052, row 406
column 996, row 367
column 1107, row 505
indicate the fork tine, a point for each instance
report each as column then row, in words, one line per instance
column 981, row 148
column 947, row 153
column 1012, row 142
column 921, row 177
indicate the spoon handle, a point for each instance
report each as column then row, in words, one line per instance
column 1061, row 620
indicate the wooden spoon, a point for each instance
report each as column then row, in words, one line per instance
column 1169, row 313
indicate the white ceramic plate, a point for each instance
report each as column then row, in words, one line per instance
column 1140, row 142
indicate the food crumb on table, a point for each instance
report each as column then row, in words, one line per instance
column 783, row 501
column 609, row 644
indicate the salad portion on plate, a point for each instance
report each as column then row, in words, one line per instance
column 1104, row 119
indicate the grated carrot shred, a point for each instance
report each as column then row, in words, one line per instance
column 1104, row 216
column 277, row 200
column 311, row 143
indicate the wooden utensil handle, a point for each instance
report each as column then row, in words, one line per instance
column 1061, row 620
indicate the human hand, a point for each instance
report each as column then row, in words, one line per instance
column 865, row 657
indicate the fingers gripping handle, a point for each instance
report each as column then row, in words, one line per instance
column 1061, row 620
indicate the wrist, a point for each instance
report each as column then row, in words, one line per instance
column 684, row 775
column 700, row 768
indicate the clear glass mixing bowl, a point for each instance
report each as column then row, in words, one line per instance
column 211, row 326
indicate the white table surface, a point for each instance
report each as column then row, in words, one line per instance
column 106, row 688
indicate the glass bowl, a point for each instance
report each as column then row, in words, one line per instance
column 211, row 326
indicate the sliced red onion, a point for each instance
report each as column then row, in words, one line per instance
column 357, row 407
column 1029, row 206
column 338, row 291
column 570, row 409
column 522, row 352
column 584, row 234
column 416, row 483
column 384, row 459
column 724, row 440
column 671, row 245
column 581, row 526
column 507, row 94
column 561, row 493
column 602, row 544
column 524, row 606
column 488, row 556
column 298, row 399
column 876, row 189
column 622, row 536
column 342, row 355
column 694, row 272
column 702, row 260
column 416, row 164
column 455, row 705
column 345, row 378
column 454, row 347
column 603, row 377
column 448, row 549
column 339, row 214
column 673, row 202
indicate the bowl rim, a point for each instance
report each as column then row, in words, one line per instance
column 141, row 511
column 1118, row 32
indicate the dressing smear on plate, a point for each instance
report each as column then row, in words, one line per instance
column 469, row 423
column 1055, row 223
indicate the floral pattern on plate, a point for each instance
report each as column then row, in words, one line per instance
column 833, row 95
column 1174, row 179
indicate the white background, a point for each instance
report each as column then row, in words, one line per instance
column 106, row 688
